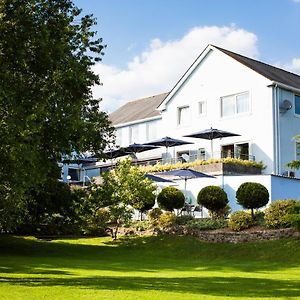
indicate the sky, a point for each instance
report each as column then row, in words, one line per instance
column 151, row 43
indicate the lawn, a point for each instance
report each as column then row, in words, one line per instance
column 153, row 268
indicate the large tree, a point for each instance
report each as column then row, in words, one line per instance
column 46, row 106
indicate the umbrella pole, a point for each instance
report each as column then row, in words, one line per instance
column 211, row 148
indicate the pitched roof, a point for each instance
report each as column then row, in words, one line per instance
column 268, row 71
column 137, row 110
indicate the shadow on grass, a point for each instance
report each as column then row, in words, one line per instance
column 214, row 286
column 147, row 254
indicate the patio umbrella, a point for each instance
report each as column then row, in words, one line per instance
column 115, row 152
column 186, row 174
column 168, row 142
column 137, row 148
column 156, row 178
column 211, row 134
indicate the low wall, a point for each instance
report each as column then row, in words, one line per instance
column 227, row 169
column 222, row 236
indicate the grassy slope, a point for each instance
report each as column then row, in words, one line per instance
column 147, row 268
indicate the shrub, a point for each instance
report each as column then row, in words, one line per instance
column 252, row 195
column 154, row 214
column 213, row 198
column 294, row 215
column 170, row 198
column 183, row 220
column 141, row 225
column 276, row 214
column 97, row 222
column 207, row 224
column 221, row 213
column 240, row 220
column 166, row 220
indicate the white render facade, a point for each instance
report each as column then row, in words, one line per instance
column 230, row 92
column 220, row 92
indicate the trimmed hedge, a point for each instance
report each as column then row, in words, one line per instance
column 170, row 198
column 252, row 195
column 213, row 198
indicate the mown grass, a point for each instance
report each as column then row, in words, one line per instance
column 164, row 267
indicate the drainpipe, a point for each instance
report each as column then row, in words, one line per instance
column 276, row 131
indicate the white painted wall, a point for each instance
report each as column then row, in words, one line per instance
column 219, row 75
column 278, row 187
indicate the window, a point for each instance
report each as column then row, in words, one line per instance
column 235, row 104
column 297, row 151
column 201, row 108
column 150, row 131
column 119, row 137
column 183, row 115
column 297, row 104
column 133, row 134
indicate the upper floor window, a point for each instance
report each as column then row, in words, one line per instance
column 235, row 104
column 297, row 104
column 202, row 108
column 150, row 131
column 133, row 134
column 119, row 137
column 183, row 115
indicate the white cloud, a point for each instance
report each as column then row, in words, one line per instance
column 297, row 1
column 292, row 66
column 159, row 67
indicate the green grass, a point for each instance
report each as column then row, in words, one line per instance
column 165, row 268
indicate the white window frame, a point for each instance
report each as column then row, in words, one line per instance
column 235, row 97
column 298, row 96
column 179, row 115
column 119, row 137
column 203, row 113
column 297, row 150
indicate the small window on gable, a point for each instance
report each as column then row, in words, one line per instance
column 202, row 108
column 183, row 115
column 297, row 104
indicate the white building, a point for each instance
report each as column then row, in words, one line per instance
column 231, row 92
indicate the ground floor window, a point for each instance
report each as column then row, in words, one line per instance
column 240, row 151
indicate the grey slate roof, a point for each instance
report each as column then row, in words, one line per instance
column 137, row 110
column 268, row 71
column 146, row 107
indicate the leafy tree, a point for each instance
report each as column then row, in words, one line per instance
column 122, row 188
column 213, row 198
column 252, row 195
column 46, row 106
column 170, row 198
column 295, row 164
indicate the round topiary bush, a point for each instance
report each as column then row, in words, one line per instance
column 276, row 215
column 213, row 198
column 170, row 198
column 252, row 195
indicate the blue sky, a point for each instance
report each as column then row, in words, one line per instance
column 151, row 43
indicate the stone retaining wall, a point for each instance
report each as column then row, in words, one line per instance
column 220, row 236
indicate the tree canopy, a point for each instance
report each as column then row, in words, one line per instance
column 46, row 106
